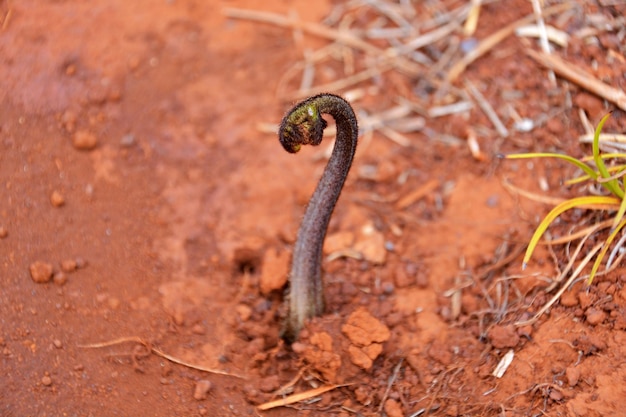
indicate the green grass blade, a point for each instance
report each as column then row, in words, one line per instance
column 620, row 214
column 576, row 162
column 605, row 248
column 612, row 185
column 586, row 201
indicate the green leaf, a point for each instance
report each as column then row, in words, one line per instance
column 612, row 185
column 605, row 248
column 588, row 170
column 581, row 202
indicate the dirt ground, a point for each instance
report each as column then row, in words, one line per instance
column 147, row 219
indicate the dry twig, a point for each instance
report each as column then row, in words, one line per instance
column 158, row 352
column 580, row 78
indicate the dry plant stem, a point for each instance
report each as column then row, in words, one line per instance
column 158, row 352
column 560, row 292
column 488, row 43
column 304, row 125
column 294, row 398
column 580, row 77
column 346, row 38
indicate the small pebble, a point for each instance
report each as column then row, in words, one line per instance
column 594, row 316
column 244, row 312
column 198, row 329
column 84, row 140
column 573, row 375
column 59, row 278
column 269, row 383
column 3, row 232
column 40, row 272
column 46, row 380
column 388, row 287
column 57, row 199
column 68, row 265
column 57, row 343
column 80, row 263
column 202, row 389
column 113, row 303
column 127, row 140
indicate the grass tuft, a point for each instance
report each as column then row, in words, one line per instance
column 603, row 169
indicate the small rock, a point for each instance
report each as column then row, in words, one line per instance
column 198, row 329
column 84, row 140
column 3, row 232
column 371, row 244
column 275, row 271
column 359, row 358
column 364, row 329
column 46, row 380
column 393, row 408
column 57, row 199
column 127, row 140
column 113, row 303
column 57, row 343
column 68, row 265
column 569, row 299
column 555, row 125
column 584, row 299
column 387, row 288
column 572, row 374
column 59, row 278
column 244, row 312
column 590, row 103
column 80, row 263
column 41, row 272
column 337, row 242
column 269, row 383
column 594, row 316
column 503, row 337
column 68, row 119
column 556, row 395
column 202, row 389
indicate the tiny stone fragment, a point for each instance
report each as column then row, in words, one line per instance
column 393, row 408
column 198, row 329
column 503, row 336
column 569, row 299
column 57, row 199
column 594, row 316
column 41, row 272
column 572, row 374
column 363, row 329
column 202, row 389
column 3, row 232
column 371, row 244
column 275, row 271
column 359, row 357
column 57, row 343
column 269, row 383
column 68, row 265
column 46, row 380
column 80, row 263
column 84, row 140
column 244, row 312
column 59, row 278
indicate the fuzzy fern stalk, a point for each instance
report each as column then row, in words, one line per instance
column 304, row 125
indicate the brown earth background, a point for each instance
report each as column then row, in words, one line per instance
column 147, row 213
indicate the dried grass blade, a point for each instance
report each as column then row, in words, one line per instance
column 561, row 290
column 592, row 202
column 489, row 42
column 532, row 196
column 580, row 77
column 605, row 248
column 294, row 398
